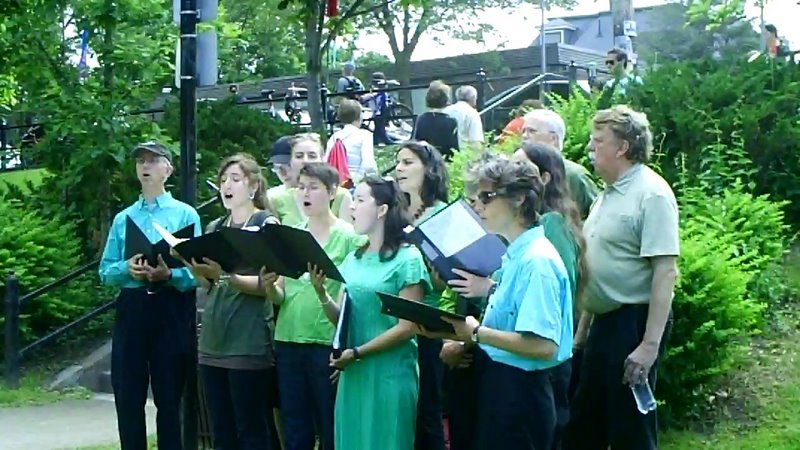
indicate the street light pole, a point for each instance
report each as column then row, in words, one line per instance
column 188, row 101
column 542, row 35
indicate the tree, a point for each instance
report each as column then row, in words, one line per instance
column 404, row 23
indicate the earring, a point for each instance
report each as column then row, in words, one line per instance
column 252, row 195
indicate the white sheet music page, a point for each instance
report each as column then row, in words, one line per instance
column 337, row 337
column 453, row 229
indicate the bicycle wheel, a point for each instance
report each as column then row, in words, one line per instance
column 401, row 120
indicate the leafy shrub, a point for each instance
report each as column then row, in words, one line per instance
column 38, row 251
column 577, row 111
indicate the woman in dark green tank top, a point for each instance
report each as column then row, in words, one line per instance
column 236, row 351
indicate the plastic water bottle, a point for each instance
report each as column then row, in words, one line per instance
column 645, row 400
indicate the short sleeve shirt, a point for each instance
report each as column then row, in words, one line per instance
column 532, row 297
column 632, row 221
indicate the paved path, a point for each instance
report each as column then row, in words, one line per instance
column 70, row 424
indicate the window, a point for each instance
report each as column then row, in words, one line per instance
column 554, row 37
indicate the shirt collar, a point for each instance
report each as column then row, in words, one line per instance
column 623, row 183
column 524, row 241
column 159, row 201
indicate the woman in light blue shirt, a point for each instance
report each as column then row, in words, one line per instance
column 527, row 326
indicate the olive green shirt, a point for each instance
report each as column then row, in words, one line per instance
column 633, row 220
column 583, row 189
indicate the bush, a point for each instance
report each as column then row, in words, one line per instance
column 38, row 251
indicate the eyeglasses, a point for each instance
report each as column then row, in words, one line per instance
column 610, row 62
column 485, row 197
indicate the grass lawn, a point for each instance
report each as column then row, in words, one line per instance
column 19, row 177
column 763, row 411
column 31, row 391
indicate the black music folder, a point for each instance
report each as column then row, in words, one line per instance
column 136, row 242
column 281, row 249
column 455, row 238
column 340, row 336
column 427, row 316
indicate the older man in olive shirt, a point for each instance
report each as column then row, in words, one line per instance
column 632, row 248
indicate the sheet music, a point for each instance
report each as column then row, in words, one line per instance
column 452, row 229
column 340, row 335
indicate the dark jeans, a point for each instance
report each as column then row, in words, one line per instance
column 151, row 345
column 429, row 434
column 603, row 412
column 517, row 410
column 238, row 405
column 307, row 395
column 560, row 381
column 463, row 387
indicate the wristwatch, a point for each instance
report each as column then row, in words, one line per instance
column 474, row 337
column 356, row 354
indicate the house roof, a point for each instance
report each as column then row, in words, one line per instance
column 595, row 31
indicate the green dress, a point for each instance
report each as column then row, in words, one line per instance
column 376, row 402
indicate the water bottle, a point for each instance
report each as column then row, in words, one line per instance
column 645, row 400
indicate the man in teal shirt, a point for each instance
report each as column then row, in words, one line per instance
column 155, row 309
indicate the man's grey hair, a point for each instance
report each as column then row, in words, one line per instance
column 467, row 94
column 553, row 121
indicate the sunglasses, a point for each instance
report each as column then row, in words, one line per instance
column 610, row 62
column 485, row 197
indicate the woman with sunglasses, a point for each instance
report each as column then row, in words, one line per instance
column 527, row 326
column 563, row 227
column 303, row 333
column 376, row 402
column 422, row 176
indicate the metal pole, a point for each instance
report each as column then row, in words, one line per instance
column 763, row 44
column 12, row 355
column 3, row 144
column 189, row 17
column 544, row 53
column 481, row 79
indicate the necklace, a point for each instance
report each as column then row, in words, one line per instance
column 229, row 222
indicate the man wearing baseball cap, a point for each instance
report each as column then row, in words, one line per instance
column 348, row 82
column 155, row 308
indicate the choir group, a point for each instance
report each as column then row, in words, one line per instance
column 553, row 341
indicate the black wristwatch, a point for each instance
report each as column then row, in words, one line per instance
column 474, row 337
column 356, row 354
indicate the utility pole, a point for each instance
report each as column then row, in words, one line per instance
column 188, row 100
column 624, row 27
column 543, row 44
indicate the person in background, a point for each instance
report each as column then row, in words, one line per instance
column 356, row 140
column 470, row 126
column 618, row 64
column 544, row 126
column 514, row 127
column 304, row 148
column 434, row 126
column 563, row 227
column 776, row 47
column 349, row 82
column 236, row 349
column 632, row 230
column 303, row 333
column 153, row 326
column 422, row 176
column 376, row 402
column 527, row 327
column 379, row 105
column 279, row 162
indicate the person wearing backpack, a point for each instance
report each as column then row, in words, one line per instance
column 357, row 142
column 348, row 82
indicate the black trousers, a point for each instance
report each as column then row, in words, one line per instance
column 517, row 410
column 560, row 377
column 150, row 346
column 462, row 389
column 430, row 431
column 604, row 413
column 238, row 401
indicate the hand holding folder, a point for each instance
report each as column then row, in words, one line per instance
column 426, row 316
column 454, row 238
column 281, row 249
column 137, row 243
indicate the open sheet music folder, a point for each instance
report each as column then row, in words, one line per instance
column 455, row 238
column 419, row 313
column 281, row 249
column 136, row 242
column 342, row 326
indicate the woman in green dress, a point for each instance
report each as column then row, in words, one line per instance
column 376, row 402
column 422, row 176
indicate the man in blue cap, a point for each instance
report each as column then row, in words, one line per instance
column 348, row 82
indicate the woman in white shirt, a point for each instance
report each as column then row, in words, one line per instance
column 356, row 140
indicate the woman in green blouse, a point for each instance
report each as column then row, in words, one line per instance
column 376, row 402
column 236, row 349
column 422, row 176
column 303, row 333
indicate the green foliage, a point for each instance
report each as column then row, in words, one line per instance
column 577, row 111
column 38, row 253
column 696, row 107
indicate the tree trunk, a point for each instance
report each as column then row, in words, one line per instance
column 313, row 69
column 402, row 67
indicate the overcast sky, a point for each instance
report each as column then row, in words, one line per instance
column 519, row 27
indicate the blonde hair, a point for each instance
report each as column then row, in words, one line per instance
column 630, row 126
column 349, row 111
